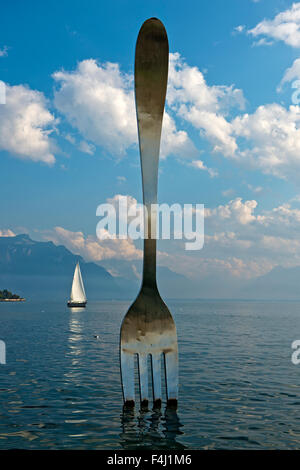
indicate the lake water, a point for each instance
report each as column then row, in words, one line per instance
column 60, row 387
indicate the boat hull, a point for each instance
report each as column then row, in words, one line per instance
column 76, row 304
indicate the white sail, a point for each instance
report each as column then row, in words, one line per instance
column 77, row 291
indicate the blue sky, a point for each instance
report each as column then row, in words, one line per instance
column 68, row 132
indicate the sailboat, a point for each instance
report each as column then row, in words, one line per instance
column 77, row 297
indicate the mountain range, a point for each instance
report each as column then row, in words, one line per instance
column 43, row 270
column 36, row 270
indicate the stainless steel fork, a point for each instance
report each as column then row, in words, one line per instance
column 148, row 328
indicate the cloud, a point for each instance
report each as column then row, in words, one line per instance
column 121, row 179
column 98, row 100
column 203, row 106
column 234, row 245
column 200, row 166
column 254, row 189
column 7, row 233
column 239, row 29
column 284, row 27
column 91, row 248
column 267, row 238
column 288, row 246
column 262, row 42
column 292, row 73
column 242, row 242
column 103, row 247
column 174, row 142
column 213, row 265
column 96, row 249
column 70, row 138
column 187, row 85
column 269, row 139
column 234, row 211
column 85, row 147
column 26, row 125
column 3, row 51
column 228, row 192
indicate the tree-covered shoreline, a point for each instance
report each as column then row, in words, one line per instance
column 7, row 295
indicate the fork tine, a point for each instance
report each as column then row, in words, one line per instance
column 156, row 378
column 143, row 378
column 171, row 371
column 127, row 377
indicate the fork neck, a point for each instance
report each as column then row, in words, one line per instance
column 149, row 265
column 149, row 147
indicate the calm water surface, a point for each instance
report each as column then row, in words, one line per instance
column 61, row 387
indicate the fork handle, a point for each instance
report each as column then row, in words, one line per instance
column 151, row 76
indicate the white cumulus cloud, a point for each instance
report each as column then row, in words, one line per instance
column 26, row 125
column 285, row 26
column 91, row 248
column 204, row 107
column 98, row 100
column 235, row 211
column 270, row 139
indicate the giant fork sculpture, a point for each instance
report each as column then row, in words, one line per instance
column 148, row 327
